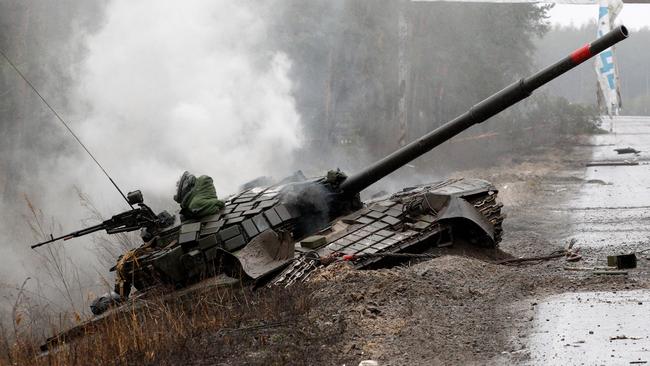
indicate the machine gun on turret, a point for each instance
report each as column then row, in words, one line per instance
column 138, row 218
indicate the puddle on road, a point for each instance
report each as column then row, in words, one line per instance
column 592, row 328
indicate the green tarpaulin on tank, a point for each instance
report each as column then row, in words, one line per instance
column 201, row 200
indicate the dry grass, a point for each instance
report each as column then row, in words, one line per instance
column 216, row 326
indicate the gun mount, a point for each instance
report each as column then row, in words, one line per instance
column 140, row 218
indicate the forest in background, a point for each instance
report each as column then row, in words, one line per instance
column 346, row 66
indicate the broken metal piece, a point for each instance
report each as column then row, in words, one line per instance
column 627, row 150
column 622, row 261
column 313, row 242
column 612, row 163
column 622, row 337
column 611, row 273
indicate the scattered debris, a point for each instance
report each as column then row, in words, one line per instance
column 627, row 150
column 578, row 268
column 622, row 261
column 368, row 363
column 572, row 255
column 353, row 257
column 612, row 273
column 556, row 254
column 598, row 181
column 570, row 268
column 621, row 337
column 612, row 163
column 597, row 270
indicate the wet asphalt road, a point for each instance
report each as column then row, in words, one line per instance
column 593, row 328
column 613, row 206
column 608, row 212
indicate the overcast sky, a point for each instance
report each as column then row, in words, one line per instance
column 633, row 16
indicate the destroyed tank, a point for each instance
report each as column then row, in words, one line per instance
column 278, row 234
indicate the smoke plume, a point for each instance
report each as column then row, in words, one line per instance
column 160, row 87
column 171, row 87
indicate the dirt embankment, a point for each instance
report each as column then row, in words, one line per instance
column 429, row 313
column 449, row 310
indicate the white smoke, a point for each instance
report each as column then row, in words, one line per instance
column 175, row 86
column 164, row 87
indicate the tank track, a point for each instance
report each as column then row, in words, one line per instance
column 488, row 206
column 303, row 266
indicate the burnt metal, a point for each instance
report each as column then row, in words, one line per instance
column 622, row 261
column 627, row 150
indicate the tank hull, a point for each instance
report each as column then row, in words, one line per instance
column 414, row 220
column 255, row 236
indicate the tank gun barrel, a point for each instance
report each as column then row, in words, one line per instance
column 480, row 112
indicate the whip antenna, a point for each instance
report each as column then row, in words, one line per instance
column 66, row 126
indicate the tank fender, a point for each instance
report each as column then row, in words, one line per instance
column 459, row 208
